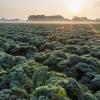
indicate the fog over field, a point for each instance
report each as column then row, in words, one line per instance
column 66, row 8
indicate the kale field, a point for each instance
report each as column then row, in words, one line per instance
column 49, row 61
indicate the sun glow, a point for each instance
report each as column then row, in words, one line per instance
column 75, row 6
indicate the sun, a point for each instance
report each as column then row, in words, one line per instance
column 75, row 6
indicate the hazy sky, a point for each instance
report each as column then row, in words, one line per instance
column 24, row 8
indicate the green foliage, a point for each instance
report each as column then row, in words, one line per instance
column 19, row 91
column 39, row 77
column 8, row 61
column 81, row 69
column 89, row 96
column 52, row 92
column 53, row 78
column 7, row 94
column 41, row 57
column 74, row 59
column 27, row 51
column 95, row 52
column 97, row 94
column 52, row 62
column 92, row 61
column 96, row 83
column 73, row 89
column 52, row 46
column 62, row 65
column 49, row 62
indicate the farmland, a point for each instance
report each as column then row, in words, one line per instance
column 49, row 61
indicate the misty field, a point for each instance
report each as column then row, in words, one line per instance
column 49, row 61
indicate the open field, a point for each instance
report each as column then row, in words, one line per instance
column 49, row 61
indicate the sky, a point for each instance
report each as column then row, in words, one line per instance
column 67, row 8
